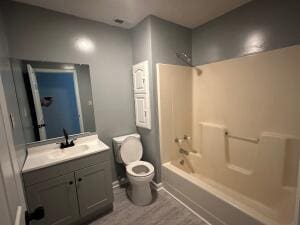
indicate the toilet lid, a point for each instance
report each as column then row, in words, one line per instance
column 131, row 150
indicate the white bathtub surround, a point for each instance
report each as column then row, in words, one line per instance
column 178, row 197
column 243, row 117
column 51, row 154
column 213, row 208
column 265, row 192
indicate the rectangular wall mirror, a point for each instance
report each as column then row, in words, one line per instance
column 53, row 96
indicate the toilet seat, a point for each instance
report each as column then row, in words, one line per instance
column 140, row 169
column 131, row 150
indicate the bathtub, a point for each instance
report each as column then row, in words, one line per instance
column 220, row 202
column 245, row 169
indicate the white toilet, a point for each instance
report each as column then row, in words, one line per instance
column 129, row 151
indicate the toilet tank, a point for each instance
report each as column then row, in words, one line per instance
column 117, row 141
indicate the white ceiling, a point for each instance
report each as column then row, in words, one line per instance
column 189, row 13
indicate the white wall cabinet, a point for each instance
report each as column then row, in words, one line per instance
column 142, row 111
column 141, row 77
column 141, row 94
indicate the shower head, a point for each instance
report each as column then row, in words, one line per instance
column 185, row 58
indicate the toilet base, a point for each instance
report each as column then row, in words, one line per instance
column 140, row 194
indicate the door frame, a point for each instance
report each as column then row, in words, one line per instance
column 19, row 216
column 76, row 88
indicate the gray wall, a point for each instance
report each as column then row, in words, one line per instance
column 260, row 25
column 142, row 50
column 141, row 41
column 43, row 35
column 10, row 95
column 168, row 39
column 157, row 40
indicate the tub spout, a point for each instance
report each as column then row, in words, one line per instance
column 186, row 152
column 183, row 151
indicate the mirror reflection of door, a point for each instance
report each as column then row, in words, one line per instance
column 56, row 100
column 37, row 104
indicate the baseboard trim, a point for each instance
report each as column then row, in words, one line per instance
column 119, row 183
column 157, row 186
column 116, row 184
column 186, row 206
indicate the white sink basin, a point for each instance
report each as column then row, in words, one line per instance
column 66, row 152
column 42, row 156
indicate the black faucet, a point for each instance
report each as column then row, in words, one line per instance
column 67, row 144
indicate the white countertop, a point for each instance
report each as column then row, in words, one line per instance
column 50, row 154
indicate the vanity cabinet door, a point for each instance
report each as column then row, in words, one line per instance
column 94, row 187
column 59, row 199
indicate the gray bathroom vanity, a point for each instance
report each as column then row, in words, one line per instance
column 72, row 185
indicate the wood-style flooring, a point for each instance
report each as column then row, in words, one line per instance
column 164, row 210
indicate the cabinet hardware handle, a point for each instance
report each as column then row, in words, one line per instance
column 71, row 182
column 80, row 179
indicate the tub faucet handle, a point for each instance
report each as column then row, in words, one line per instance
column 178, row 140
column 186, row 137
